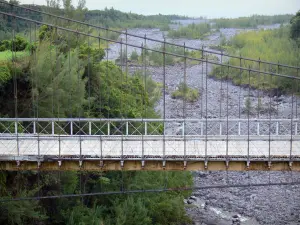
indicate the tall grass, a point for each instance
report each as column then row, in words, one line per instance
column 267, row 45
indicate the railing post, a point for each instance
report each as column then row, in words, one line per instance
column 34, row 127
column 71, row 128
column 108, row 128
column 146, row 127
column 16, row 127
column 127, row 128
column 52, row 127
column 277, row 127
column 239, row 131
column 258, row 129
column 220, row 128
column 90, row 128
column 183, row 128
column 296, row 128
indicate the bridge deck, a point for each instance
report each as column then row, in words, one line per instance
column 165, row 149
column 236, row 144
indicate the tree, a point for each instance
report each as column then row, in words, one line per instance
column 134, row 56
column 132, row 211
column 295, row 27
column 58, row 87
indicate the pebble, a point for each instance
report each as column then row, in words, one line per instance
column 268, row 205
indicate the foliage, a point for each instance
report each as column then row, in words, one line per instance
column 152, row 88
column 252, row 21
column 83, row 215
column 268, row 45
column 186, row 93
column 164, row 27
column 117, row 95
column 295, row 28
column 88, row 53
column 132, row 211
column 157, row 58
column 45, row 32
column 8, row 55
column 134, row 56
column 122, row 57
column 145, row 208
column 192, row 31
column 5, row 74
column 58, row 94
column 115, row 18
column 68, row 78
column 17, row 44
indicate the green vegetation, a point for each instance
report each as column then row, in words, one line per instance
column 144, row 208
column 153, row 88
column 295, row 28
column 186, row 93
column 134, row 56
column 156, row 58
column 115, row 18
column 65, row 76
column 252, row 21
column 17, row 44
column 8, row 55
column 268, row 45
column 192, row 31
column 165, row 27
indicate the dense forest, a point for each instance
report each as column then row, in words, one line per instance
column 61, row 75
column 199, row 31
column 109, row 17
column 252, row 21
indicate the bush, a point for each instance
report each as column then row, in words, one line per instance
column 193, row 31
column 164, row 27
column 5, row 45
column 4, row 74
column 17, row 44
column 185, row 93
column 134, row 56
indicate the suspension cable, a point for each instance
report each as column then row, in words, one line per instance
column 137, row 36
column 154, row 50
column 220, row 186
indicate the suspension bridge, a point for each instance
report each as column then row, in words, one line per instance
column 201, row 139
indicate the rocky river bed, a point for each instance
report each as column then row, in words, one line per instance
column 251, row 205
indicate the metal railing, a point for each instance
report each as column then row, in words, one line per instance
column 148, row 127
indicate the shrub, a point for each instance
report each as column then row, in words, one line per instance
column 186, row 93
column 193, row 31
column 4, row 74
column 134, row 56
column 164, row 27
